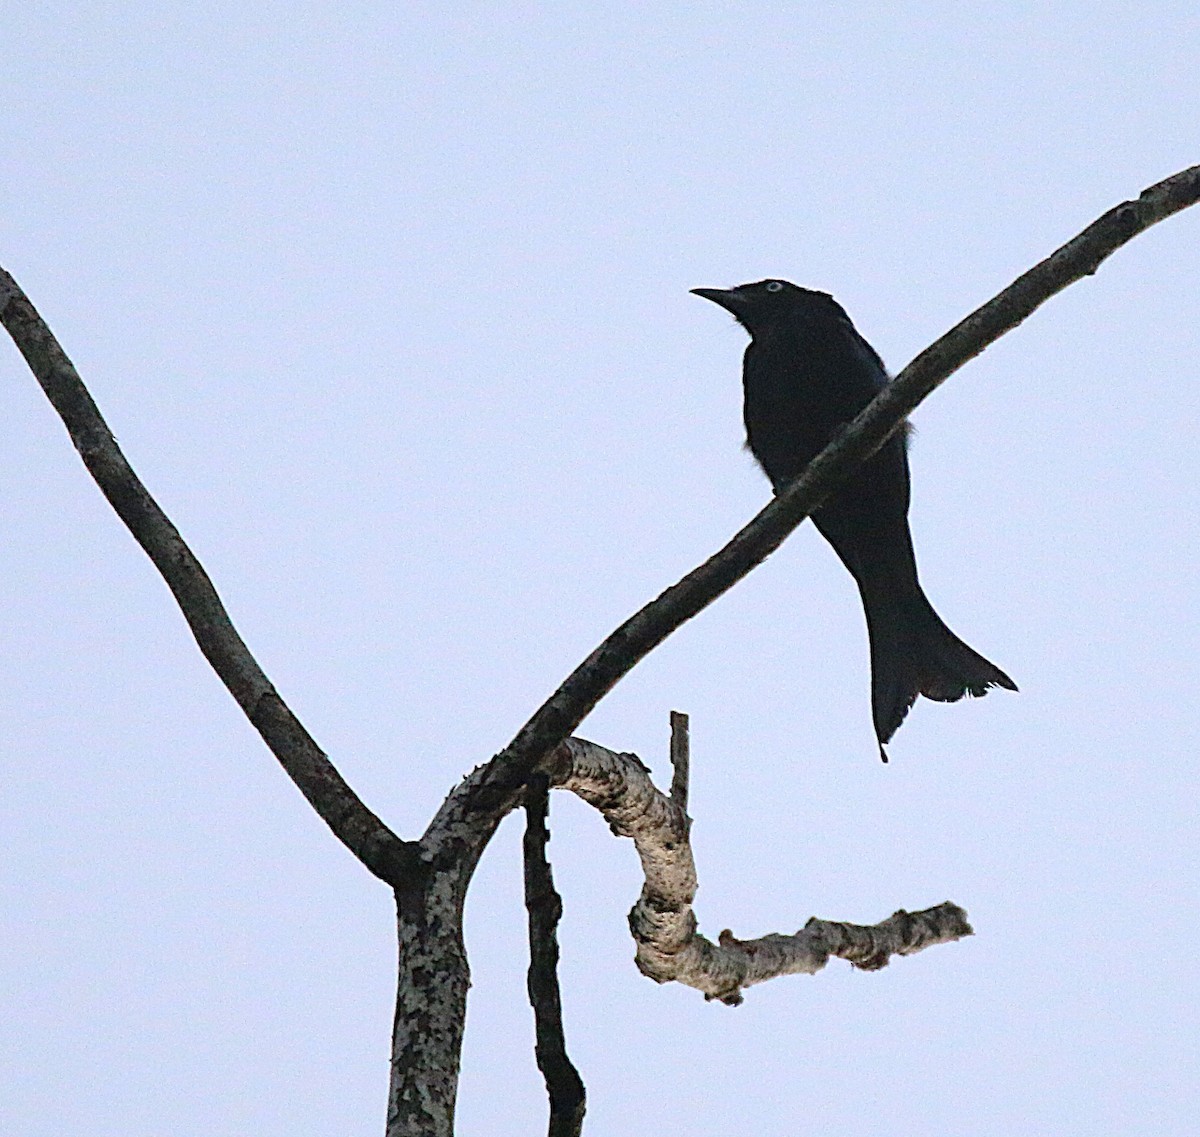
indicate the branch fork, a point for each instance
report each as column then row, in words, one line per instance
column 431, row 877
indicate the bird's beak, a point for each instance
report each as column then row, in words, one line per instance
column 729, row 298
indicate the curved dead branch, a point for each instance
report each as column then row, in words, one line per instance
column 669, row 947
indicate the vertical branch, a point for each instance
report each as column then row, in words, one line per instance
column 681, row 759
column 563, row 1083
column 431, row 1006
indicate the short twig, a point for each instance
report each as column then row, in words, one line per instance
column 681, row 758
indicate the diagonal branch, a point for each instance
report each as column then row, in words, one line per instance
column 364, row 834
column 563, row 1083
column 556, row 718
column 669, row 948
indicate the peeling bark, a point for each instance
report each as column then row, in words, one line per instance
column 669, row 946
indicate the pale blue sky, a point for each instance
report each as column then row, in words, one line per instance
column 389, row 308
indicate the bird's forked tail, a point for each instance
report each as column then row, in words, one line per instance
column 914, row 653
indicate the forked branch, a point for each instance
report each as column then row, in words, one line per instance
column 499, row 789
column 431, row 877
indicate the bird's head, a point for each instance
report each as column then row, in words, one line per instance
column 759, row 305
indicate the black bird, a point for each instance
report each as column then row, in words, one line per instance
column 807, row 374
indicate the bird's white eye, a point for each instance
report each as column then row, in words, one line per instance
column 774, row 286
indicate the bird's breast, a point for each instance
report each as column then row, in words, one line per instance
column 800, row 391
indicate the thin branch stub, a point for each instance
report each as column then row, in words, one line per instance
column 681, row 759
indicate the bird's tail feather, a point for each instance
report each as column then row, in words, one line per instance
column 914, row 653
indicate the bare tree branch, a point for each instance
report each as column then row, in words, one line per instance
column 364, row 834
column 558, row 717
column 431, row 877
column 544, row 905
column 669, row 948
column 498, row 788
column 455, row 839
